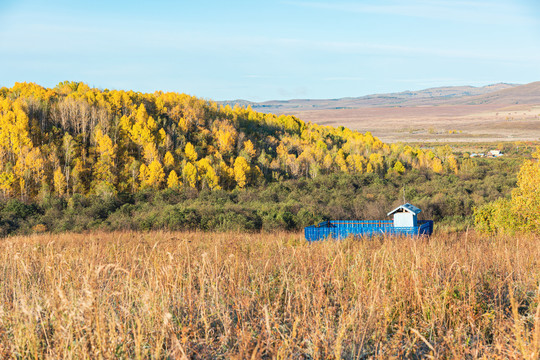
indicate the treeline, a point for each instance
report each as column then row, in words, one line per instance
column 449, row 199
column 76, row 140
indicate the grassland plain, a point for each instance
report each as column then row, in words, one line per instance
column 239, row 295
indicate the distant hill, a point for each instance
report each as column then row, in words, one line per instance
column 433, row 96
column 522, row 94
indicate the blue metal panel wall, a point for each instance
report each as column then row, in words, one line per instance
column 340, row 229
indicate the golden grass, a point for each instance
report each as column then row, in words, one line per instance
column 231, row 295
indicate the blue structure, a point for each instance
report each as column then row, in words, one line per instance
column 405, row 223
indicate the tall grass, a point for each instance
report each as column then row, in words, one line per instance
column 233, row 295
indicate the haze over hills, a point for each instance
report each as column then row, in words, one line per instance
column 498, row 112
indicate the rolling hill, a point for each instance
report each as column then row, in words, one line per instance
column 431, row 96
column 521, row 94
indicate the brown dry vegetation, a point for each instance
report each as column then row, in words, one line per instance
column 208, row 295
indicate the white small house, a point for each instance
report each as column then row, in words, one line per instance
column 405, row 215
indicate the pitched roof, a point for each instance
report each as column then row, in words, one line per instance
column 406, row 207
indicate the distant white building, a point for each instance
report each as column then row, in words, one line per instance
column 495, row 153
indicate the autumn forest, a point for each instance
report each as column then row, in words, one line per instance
column 74, row 139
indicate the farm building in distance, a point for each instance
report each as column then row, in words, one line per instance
column 495, row 153
column 491, row 154
column 405, row 223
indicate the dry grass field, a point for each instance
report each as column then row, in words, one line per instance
column 231, row 295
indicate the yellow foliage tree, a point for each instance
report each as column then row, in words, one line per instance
column 173, row 182
column 104, row 168
column 376, row 161
column 7, row 178
column 282, row 151
column 59, row 182
column 144, row 128
column 189, row 173
column 328, row 162
column 452, row 164
column 241, row 170
column 207, row 172
column 399, row 168
column 341, row 162
column 162, row 135
column 143, row 175
column 156, row 175
column 168, row 160
column 226, row 175
column 29, row 169
column 190, row 152
column 225, row 135
column 150, row 152
column 14, row 129
column 354, row 163
column 369, row 168
column 437, row 166
column 526, row 197
column 249, row 149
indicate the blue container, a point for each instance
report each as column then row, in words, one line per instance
column 340, row 229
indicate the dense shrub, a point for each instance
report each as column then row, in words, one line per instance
column 284, row 205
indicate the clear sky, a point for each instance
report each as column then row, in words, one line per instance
column 262, row 50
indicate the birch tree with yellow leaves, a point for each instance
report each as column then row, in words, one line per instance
column 241, row 171
column 190, row 175
column 105, row 166
column 173, row 182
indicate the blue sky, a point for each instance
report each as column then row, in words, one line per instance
column 262, row 50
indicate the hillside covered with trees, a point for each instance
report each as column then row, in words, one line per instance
column 74, row 139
